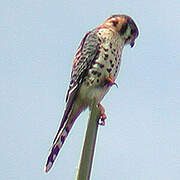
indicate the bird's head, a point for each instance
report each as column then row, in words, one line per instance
column 125, row 26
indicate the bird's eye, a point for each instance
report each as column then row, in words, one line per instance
column 123, row 28
column 114, row 23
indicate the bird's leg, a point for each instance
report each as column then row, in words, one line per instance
column 103, row 115
column 111, row 80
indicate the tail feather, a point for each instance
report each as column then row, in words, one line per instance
column 62, row 134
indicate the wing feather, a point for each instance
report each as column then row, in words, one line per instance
column 84, row 58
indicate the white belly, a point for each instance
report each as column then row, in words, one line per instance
column 88, row 94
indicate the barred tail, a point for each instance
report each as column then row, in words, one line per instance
column 62, row 134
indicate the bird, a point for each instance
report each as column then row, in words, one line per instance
column 95, row 68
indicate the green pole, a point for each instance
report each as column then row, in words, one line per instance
column 85, row 164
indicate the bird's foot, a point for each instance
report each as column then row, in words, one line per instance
column 102, row 115
column 111, row 80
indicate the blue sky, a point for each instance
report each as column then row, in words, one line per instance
column 141, row 139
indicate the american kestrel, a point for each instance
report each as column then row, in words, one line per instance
column 95, row 68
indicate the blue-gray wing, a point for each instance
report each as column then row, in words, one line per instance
column 84, row 58
column 86, row 54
